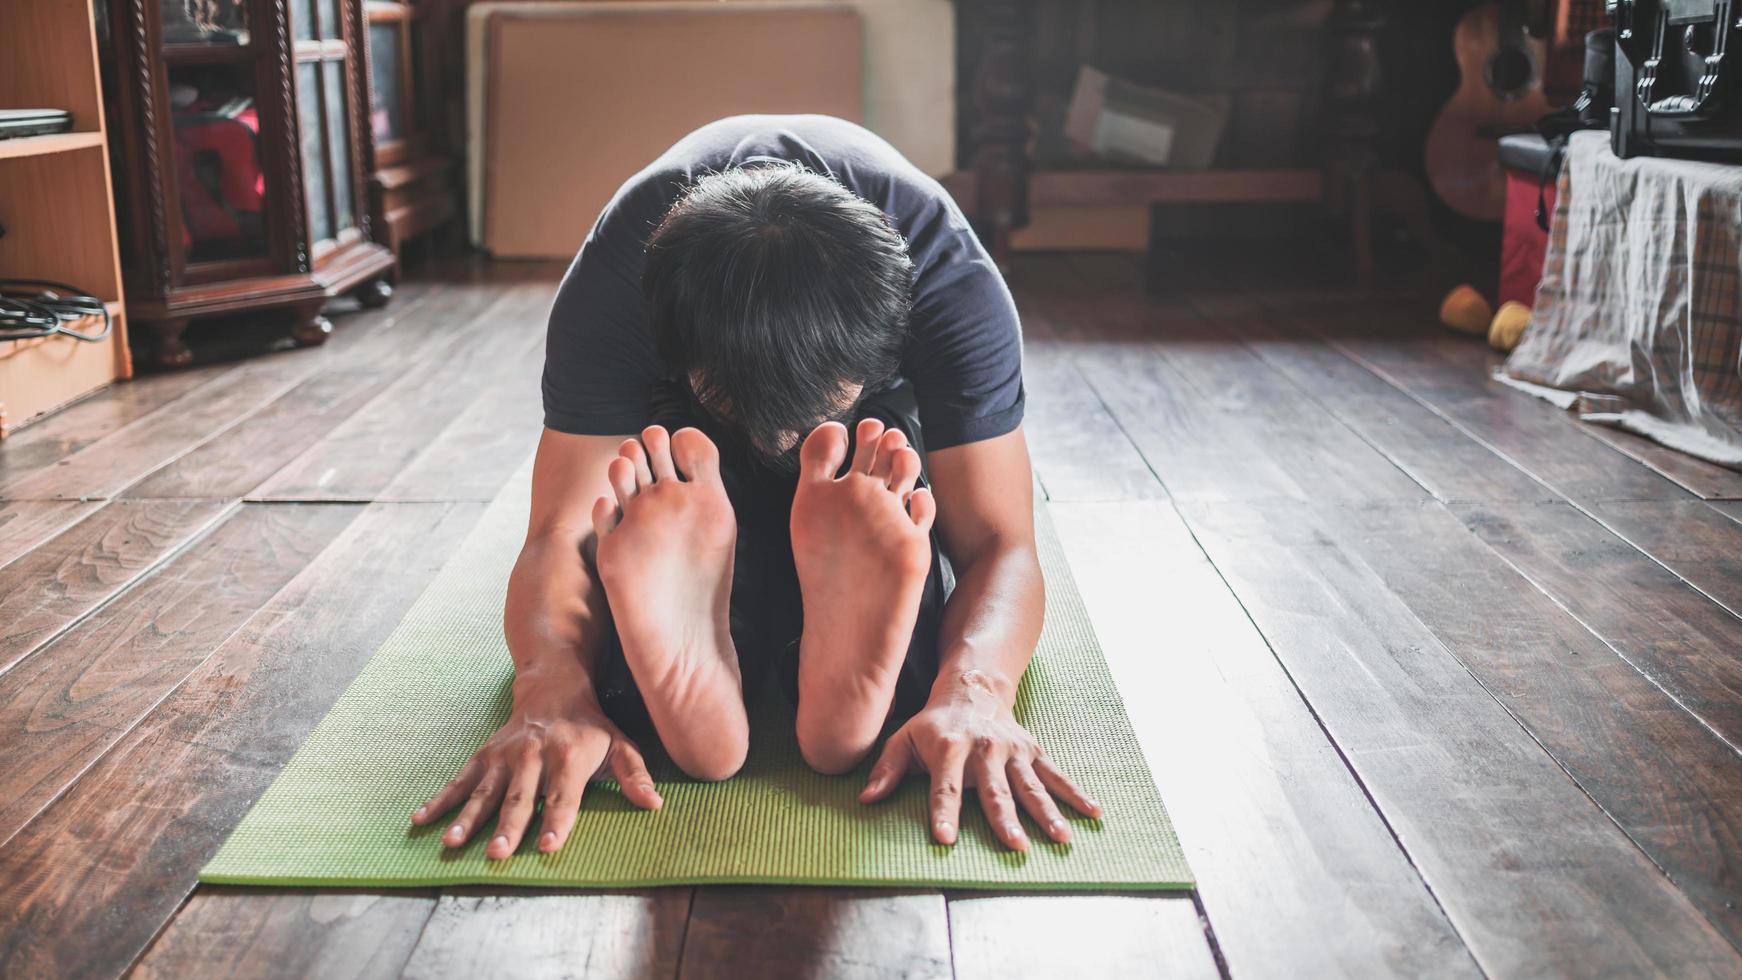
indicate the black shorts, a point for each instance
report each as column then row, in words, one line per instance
column 767, row 614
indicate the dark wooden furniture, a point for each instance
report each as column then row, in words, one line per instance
column 240, row 162
column 1001, row 179
column 411, row 189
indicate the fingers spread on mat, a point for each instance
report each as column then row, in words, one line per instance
column 563, row 792
column 946, row 791
column 1062, row 787
column 632, row 776
column 450, row 795
column 897, row 757
column 485, row 798
column 517, row 805
column 995, row 799
column 1036, row 800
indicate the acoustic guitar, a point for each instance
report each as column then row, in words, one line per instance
column 1500, row 93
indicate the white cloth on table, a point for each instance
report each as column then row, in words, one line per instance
column 1638, row 318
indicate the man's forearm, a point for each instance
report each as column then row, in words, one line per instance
column 991, row 622
column 555, row 614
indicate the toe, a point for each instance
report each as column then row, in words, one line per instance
column 903, row 470
column 695, row 455
column 605, row 515
column 631, row 450
column 865, row 444
column 823, row 451
column 893, row 441
column 658, row 445
column 622, row 474
column 922, row 508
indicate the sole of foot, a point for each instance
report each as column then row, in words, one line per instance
column 862, row 545
column 666, row 542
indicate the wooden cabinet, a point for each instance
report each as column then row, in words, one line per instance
column 57, row 220
column 411, row 184
column 242, row 157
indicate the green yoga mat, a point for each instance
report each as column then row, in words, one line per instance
column 338, row 814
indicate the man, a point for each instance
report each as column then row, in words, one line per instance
column 830, row 482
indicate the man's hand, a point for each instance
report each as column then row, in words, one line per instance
column 555, row 740
column 968, row 736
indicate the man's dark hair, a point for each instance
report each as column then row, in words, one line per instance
column 770, row 287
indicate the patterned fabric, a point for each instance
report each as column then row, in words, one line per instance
column 1638, row 320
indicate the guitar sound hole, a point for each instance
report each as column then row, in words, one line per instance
column 1509, row 73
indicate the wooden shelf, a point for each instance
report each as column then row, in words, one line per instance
column 207, row 54
column 57, row 203
column 87, row 325
column 31, row 146
column 1116, row 186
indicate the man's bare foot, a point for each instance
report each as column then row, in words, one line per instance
column 862, row 544
column 665, row 560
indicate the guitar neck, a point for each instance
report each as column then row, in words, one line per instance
column 1578, row 18
column 1514, row 22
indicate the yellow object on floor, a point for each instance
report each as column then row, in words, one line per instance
column 1508, row 326
column 1467, row 311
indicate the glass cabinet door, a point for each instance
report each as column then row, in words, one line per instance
column 323, row 66
column 215, row 144
column 204, row 21
column 387, row 40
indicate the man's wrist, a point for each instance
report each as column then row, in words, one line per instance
column 956, row 683
column 553, row 676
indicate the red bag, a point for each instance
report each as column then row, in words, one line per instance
column 222, row 187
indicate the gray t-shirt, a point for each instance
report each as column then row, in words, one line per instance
column 964, row 347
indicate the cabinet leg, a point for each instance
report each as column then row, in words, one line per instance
column 171, row 351
column 309, row 328
column 373, row 294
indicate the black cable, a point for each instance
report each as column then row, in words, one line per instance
column 32, row 308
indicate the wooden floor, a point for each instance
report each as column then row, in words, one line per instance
column 1435, row 680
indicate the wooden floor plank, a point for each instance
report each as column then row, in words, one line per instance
column 474, row 456
column 1450, row 375
column 1298, row 873
column 103, row 467
column 1661, row 775
column 1079, row 452
column 997, row 937
column 1535, row 877
column 480, row 933
column 53, row 437
column 277, row 934
column 360, row 458
column 1683, row 641
column 1215, row 423
column 241, row 458
column 63, row 579
column 62, row 708
column 1694, row 539
column 845, row 933
column 1688, row 536
column 110, row 465
column 1707, row 480
column 95, row 877
column 24, row 524
column 1435, row 453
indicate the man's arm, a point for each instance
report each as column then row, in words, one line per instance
column 556, row 735
column 967, row 732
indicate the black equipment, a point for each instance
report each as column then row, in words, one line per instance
column 1678, row 79
column 1597, row 98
